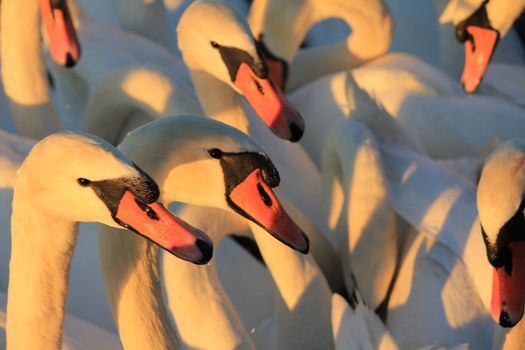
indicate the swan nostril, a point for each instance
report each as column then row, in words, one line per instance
column 206, row 251
column 70, row 61
column 504, row 320
column 295, row 132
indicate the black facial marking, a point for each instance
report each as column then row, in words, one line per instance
column 234, row 57
column 70, row 62
column 499, row 253
column 111, row 191
column 237, row 166
column 479, row 19
column 265, row 51
column 56, row 4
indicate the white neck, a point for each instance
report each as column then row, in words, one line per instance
column 369, row 20
column 195, row 293
column 219, row 101
column 41, row 252
column 23, row 70
column 130, row 97
column 130, row 266
column 300, row 286
column 146, row 18
column 359, row 210
column 370, row 23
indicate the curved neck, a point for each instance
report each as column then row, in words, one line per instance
column 195, row 293
column 300, row 286
column 41, row 252
column 369, row 20
column 130, row 266
column 23, row 70
column 219, row 101
column 370, row 23
column 146, row 18
column 359, row 209
column 130, row 97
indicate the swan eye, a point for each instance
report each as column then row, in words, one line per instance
column 83, row 182
column 214, row 44
column 215, row 153
column 264, row 196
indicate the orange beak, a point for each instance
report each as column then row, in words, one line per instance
column 270, row 104
column 257, row 202
column 154, row 222
column 508, row 290
column 479, row 48
column 63, row 42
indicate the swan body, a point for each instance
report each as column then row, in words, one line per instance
column 428, row 105
column 37, row 257
column 450, row 246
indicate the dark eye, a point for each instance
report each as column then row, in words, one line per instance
column 215, row 153
column 83, row 182
column 264, row 196
column 214, row 44
column 259, row 86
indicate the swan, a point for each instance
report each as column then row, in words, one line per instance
column 97, row 184
column 479, row 24
column 499, row 204
column 232, row 157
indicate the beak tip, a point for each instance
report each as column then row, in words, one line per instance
column 296, row 132
column 206, row 249
column 306, row 248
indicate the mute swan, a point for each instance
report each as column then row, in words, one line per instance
column 108, row 188
column 500, row 209
column 236, row 158
column 479, row 24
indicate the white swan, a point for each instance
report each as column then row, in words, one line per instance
column 479, row 24
column 501, row 216
column 88, row 181
column 499, row 201
column 233, row 158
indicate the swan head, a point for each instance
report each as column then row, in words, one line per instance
column 501, row 208
column 76, row 177
column 200, row 161
column 63, row 42
column 479, row 37
column 215, row 39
